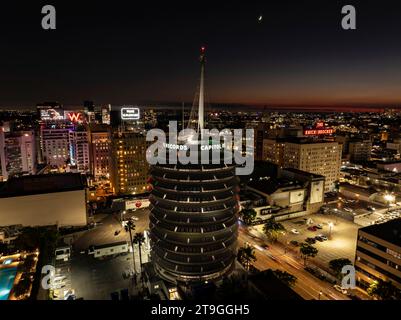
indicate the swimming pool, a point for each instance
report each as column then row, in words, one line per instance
column 7, row 277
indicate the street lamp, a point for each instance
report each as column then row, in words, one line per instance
column 320, row 294
column 330, row 227
column 122, row 218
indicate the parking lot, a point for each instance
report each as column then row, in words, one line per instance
column 340, row 244
column 95, row 279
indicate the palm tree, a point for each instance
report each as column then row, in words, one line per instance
column 245, row 256
column 130, row 227
column 308, row 250
column 139, row 239
column 273, row 229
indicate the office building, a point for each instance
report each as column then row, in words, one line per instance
column 100, row 151
column 79, row 150
column 360, row 150
column 378, row 254
column 55, row 146
column 129, row 168
column 318, row 157
column 17, row 153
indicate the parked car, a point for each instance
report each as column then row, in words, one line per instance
column 319, row 226
column 319, row 239
column 312, row 228
column 294, row 231
column 295, row 243
column 310, row 240
column 323, row 237
column 134, row 218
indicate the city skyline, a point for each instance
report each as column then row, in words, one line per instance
column 295, row 55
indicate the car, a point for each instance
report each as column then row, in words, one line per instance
column 312, row 228
column 294, row 243
column 340, row 289
column 318, row 239
column 294, row 231
column 310, row 240
column 265, row 246
column 319, row 226
column 348, row 209
column 323, row 237
column 134, row 218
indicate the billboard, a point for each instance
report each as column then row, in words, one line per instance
column 130, row 113
column 51, row 114
column 136, row 204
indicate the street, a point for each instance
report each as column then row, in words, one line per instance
column 307, row 286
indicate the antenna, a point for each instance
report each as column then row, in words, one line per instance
column 201, row 108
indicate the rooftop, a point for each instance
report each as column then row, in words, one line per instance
column 39, row 184
column 389, row 231
column 303, row 173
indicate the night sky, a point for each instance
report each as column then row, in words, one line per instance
column 123, row 52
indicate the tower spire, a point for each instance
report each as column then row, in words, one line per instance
column 201, row 108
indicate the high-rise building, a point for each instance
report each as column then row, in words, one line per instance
column 55, row 146
column 378, row 254
column 100, row 151
column 17, row 153
column 318, row 157
column 129, row 169
column 193, row 221
column 79, row 149
column 360, row 150
column 273, row 150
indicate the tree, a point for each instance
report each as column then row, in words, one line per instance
column 273, row 229
column 248, row 216
column 285, row 277
column 307, row 251
column 384, row 290
column 245, row 256
column 130, row 227
column 139, row 239
column 337, row 265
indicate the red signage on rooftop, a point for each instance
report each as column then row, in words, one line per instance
column 318, row 130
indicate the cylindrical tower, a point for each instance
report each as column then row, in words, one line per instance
column 193, row 221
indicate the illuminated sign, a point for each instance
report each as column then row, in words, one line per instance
column 317, row 132
column 51, row 114
column 130, row 113
column 74, row 116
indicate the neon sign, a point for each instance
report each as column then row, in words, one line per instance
column 74, row 116
column 317, row 132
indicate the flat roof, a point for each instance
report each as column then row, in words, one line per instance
column 389, row 231
column 269, row 186
column 303, row 173
column 40, row 184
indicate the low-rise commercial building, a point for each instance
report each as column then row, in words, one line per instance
column 44, row 200
column 378, row 254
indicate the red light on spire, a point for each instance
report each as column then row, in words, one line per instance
column 203, row 49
